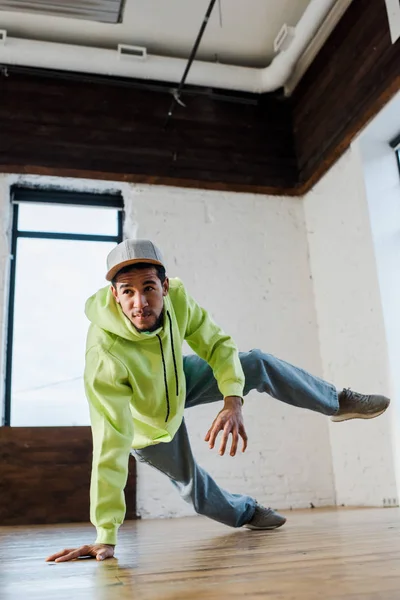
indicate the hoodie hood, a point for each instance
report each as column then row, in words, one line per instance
column 102, row 310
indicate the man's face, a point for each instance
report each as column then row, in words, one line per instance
column 141, row 294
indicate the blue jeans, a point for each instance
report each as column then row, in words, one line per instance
column 264, row 373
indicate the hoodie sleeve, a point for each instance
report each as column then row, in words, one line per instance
column 216, row 347
column 109, row 393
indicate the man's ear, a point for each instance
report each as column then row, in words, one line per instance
column 165, row 286
column 115, row 293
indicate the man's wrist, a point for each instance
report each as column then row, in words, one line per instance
column 233, row 401
column 107, row 536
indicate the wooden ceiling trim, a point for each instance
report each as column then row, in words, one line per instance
column 356, row 73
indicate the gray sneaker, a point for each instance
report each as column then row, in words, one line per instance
column 265, row 518
column 353, row 405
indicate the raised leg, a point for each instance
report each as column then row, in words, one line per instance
column 264, row 373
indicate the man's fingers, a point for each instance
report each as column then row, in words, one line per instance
column 216, row 428
column 72, row 554
column 229, row 426
column 105, row 553
column 210, row 430
column 58, row 554
column 235, row 440
column 207, row 438
column 100, row 552
column 224, row 441
column 243, row 435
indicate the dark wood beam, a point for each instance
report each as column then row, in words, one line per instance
column 102, row 130
column 354, row 75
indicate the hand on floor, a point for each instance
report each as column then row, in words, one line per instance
column 230, row 421
column 97, row 551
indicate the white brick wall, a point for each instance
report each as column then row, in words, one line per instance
column 351, row 327
column 382, row 184
column 245, row 259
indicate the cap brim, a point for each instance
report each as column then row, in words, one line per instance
column 113, row 272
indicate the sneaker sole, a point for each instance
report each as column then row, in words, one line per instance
column 263, row 528
column 348, row 416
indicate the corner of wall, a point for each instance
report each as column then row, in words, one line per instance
column 351, row 330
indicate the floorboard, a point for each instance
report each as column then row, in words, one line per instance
column 319, row 554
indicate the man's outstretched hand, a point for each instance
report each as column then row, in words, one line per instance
column 97, row 551
column 230, row 421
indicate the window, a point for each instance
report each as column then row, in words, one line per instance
column 395, row 144
column 60, row 241
column 393, row 10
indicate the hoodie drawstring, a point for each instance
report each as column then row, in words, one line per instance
column 173, row 354
column 164, row 367
column 165, row 378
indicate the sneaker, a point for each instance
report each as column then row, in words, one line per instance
column 353, row 405
column 265, row 518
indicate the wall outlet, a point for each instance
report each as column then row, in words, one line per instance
column 390, row 502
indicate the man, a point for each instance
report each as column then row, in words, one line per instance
column 138, row 384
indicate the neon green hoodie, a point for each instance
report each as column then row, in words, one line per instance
column 135, row 385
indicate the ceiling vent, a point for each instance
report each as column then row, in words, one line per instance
column 393, row 9
column 104, row 11
column 284, row 38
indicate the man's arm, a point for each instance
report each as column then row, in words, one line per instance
column 109, row 395
column 219, row 350
column 212, row 344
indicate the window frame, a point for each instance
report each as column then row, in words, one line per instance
column 395, row 144
column 20, row 195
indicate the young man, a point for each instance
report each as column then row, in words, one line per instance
column 138, row 384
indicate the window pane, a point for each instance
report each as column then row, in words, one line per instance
column 54, row 278
column 67, row 219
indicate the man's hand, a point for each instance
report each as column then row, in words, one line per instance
column 230, row 421
column 97, row 551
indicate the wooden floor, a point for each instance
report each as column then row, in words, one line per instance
column 324, row 555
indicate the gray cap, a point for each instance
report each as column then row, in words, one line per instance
column 130, row 252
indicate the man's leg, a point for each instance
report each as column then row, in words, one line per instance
column 195, row 486
column 285, row 382
column 264, row 373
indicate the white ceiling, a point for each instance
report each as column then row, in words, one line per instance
column 169, row 28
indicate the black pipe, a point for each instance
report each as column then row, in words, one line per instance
column 177, row 93
column 233, row 96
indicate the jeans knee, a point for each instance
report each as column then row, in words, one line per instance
column 256, row 360
column 188, row 494
column 256, row 367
